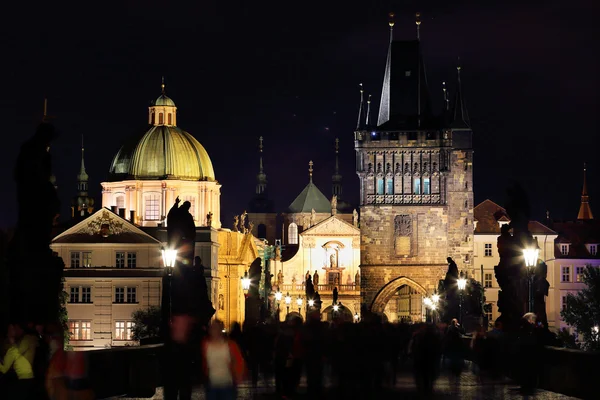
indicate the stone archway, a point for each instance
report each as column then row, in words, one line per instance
column 386, row 292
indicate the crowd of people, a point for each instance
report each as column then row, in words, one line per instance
column 348, row 358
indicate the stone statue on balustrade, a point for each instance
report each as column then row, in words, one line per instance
column 242, row 225
column 280, row 279
column 236, row 222
column 316, row 279
column 309, row 289
column 333, row 261
column 307, row 276
column 357, row 278
column 181, row 232
column 209, row 218
column 355, row 218
column 313, row 217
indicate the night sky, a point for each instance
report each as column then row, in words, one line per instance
column 289, row 71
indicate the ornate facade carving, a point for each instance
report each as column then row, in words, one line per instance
column 105, row 224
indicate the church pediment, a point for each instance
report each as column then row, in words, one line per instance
column 332, row 226
column 104, row 226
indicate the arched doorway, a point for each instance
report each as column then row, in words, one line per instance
column 342, row 314
column 401, row 300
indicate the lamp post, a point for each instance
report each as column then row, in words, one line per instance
column 169, row 260
column 336, row 308
column 288, row 301
column 278, row 296
column 309, row 305
column 531, row 258
column 356, row 317
column 462, row 284
column 245, row 283
column 299, row 302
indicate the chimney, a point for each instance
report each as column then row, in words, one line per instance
column 132, row 216
column 122, row 213
column 114, row 209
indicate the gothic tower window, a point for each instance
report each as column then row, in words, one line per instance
column 389, row 186
column 397, row 168
column 426, row 186
column 293, row 234
column 417, row 186
column 379, row 185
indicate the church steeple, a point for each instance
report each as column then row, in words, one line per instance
column 261, row 178
column 384, row 105
column 585, row 212
column 163, row 111
column 336, row 179
column 82, row 178
column 359, row 122
column 460, row 115
column 82, row 205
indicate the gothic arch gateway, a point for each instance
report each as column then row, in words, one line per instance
column 386, row 292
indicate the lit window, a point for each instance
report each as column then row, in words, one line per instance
column 170, row 116
column 152, row 207
column 564, row 249
column 487, row 250
column 161, row 118
column 74, row 295
column 74, row 329
column 192, row 200
column 86, row 259
column 579, row 274
column 417, row 186
column 379, row 185
column 120, row 259
column 389, row 186
column 124, row 330
column 487, row 282
column 131, row 260
column 120, row 201
column 131, row 295
column 119, row 295
column 426, row 186
column 293, row 234
column 75, row 259
column 86, row 294
column 566, row 274
column 86, row 330
column 593, row 248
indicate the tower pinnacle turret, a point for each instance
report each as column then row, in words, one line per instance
column 83, row 204
column 585, row 212
column 261, row 178
column 336, row 179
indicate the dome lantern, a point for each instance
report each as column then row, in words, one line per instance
column 163, row 111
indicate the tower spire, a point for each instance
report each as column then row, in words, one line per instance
column 585, row 212
column 336, row 179
column 310, row 170
column 360, row 107
column 368, row 110
column 460, row 115
column 83, row 177
column 384, row 105
column 445, row 94
column 261, row 178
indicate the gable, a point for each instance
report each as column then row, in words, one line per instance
column 104, row 226
column 332, row 226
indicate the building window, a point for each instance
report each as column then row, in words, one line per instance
column 564, row 249
column 74, row 297
column 161, row 118
column 170, row 118
column 417, row 186
column 131, row 260
column 293, row 234
column 152, row 207
column 119, row 295
column 426, row 186
column 80, row 330
column 489, row 312
column 566, row 274
column 487, row 250
column 131, row 295
column 487, row 282
column 120, row 259
column 564, row 303
column 379, row 185
column 192, row 200
column 120, row 202
column 75, row 259
column 86, row 294
column 86, row 259
column 124, row 330
column 593, row 249
column 579, row 274
column 389, row 186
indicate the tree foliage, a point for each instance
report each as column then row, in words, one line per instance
column 583, row 309
column 146, row 323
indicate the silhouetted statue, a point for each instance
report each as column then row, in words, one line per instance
column 35, row 273
column 318, row 302
column 357, row 278
column 335, row 295
column 280, row 279
column 236, row 221
column 307, row 276
column 451, row 291
column 309, row 289
column 181, row 231
column 254, row 274
column 242, row 227
column 316, row 279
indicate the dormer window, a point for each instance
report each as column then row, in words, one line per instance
column 592, row 249
column 564, row 249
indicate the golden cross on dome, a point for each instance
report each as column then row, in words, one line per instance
column 310, row 169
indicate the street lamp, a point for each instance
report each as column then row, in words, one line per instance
column 278, row 296
column 356, row 317
column 245, row 282
column 169, row 257
column 462, row 284
column 288, row 301
column 531, row 258
column 299, row 302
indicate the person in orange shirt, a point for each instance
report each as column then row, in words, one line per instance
column 222, row 363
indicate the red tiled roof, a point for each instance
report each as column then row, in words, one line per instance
column 487, row 214
column 577, row 234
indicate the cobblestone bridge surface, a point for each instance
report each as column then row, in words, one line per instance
column 469, row 387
